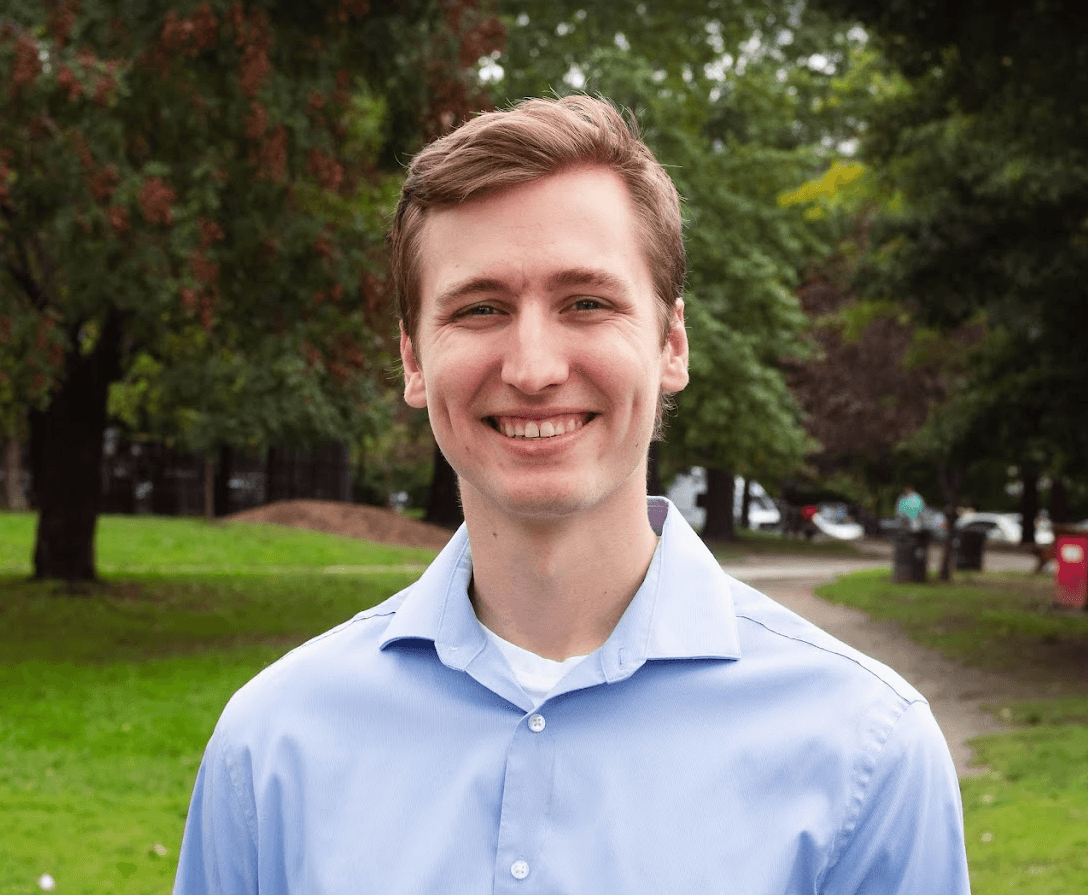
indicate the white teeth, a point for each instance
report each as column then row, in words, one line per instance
column 539, row 429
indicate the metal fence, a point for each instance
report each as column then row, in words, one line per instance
column 149, row 477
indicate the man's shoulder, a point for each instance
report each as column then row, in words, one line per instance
column 780, row 638
column 348, row 650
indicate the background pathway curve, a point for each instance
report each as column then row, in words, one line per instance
column 956, row 693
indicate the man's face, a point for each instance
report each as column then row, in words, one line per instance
column 539, row 351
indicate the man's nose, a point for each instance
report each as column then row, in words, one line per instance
column 535, row 356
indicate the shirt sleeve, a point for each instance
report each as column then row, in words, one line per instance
column 218, row 850
column 906, row 832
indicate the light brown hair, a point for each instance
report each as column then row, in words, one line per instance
column 535, row 139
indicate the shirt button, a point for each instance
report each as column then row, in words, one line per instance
column 519, row 870
column 536, row 723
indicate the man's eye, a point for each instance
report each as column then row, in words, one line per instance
column 478, row 311
column 586, row 304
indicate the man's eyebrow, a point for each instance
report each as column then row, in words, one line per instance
column 588, row 277
column 568, row 278
column 474, row 286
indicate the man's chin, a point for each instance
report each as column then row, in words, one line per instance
column 530, row 504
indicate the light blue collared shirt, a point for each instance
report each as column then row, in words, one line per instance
column 715, row 743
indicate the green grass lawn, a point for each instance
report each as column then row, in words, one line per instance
column 108, row 694
column 142, row 544
column 1026, row 818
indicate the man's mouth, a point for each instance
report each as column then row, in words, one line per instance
column 519, row 427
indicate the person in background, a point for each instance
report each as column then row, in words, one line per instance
column 908, row 509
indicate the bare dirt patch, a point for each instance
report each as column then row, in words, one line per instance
column 349, row 519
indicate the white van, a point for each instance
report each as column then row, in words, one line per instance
column 686, row 487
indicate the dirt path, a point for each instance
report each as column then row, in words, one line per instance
column 957, row 694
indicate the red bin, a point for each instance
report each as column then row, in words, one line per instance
column 1071, row 577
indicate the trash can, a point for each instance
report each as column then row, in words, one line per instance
column 910, row 555
column 1071, row 575
column 968, row 546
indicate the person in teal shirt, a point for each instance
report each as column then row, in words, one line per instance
column 909, row 508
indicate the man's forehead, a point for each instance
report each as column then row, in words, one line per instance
column 574, row 229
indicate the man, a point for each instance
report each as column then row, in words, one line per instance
column 908, row 509
column 573, row 698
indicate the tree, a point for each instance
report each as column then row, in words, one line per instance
column 182, row 184
column 728, row 97
column 986, row 149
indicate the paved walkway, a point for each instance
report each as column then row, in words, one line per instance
column 957, row 694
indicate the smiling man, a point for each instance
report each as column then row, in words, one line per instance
column 574, row 697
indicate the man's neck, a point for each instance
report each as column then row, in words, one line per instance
column 557, row 587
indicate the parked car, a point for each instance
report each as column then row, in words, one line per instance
column 1003, row 527
column 834, row 520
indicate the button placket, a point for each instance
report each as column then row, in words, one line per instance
column 527, row 792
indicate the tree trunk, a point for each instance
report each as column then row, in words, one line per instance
column 14, row 495
column 746, row 503
column 1029, row 507
column 718, row 501
column 66, row 457
column 951, row 477
column 444, row 506
column 1059, row 501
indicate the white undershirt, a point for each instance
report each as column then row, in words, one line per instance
column 536, row 674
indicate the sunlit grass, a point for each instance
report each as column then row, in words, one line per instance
column 108, row 692
column 141, row 544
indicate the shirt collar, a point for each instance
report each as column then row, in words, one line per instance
column 682, row 610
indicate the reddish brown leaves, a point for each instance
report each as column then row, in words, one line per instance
column 156, row 201
column 27, row 64
column 204, row 270
column 253, row 36
column 118, row 218
column 103, row 183
column 62, row 19
column 352, row 9
column 480, row 35
column 192, row 36
column 210, row 232
column 326, row 170
column 68, row 82
column 270, row 157
column 256, row 120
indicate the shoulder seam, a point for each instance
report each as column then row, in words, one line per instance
column 907, row 699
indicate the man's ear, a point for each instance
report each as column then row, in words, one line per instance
column 415, row 389
column 674, row 356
